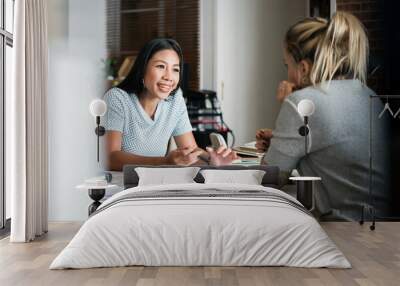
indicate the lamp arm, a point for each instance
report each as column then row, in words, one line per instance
column 98, row 137
column 303, row 131
column 306, row 136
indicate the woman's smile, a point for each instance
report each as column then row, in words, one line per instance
column 164, row 87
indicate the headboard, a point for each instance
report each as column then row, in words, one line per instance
column 270, row 179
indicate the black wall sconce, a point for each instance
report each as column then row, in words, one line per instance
column 305, row 108
column 98, row 108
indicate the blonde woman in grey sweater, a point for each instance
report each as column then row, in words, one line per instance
column 327, row 63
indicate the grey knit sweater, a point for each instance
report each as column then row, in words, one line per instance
column 338, row 147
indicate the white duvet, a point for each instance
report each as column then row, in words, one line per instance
column 183, row 231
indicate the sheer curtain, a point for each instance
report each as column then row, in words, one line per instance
column 26, row 130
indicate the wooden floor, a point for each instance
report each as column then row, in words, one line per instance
column 375, row 257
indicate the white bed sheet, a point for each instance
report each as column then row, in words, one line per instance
column 200, row 231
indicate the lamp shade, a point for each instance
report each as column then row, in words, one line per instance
column 97, row 107
column 306, row 107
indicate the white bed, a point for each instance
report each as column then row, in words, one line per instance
column 201, row 224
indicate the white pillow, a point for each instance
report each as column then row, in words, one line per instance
column 249, row 177
column 164, row 176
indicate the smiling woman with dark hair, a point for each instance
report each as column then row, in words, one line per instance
column 133, row 83
column 147, row 109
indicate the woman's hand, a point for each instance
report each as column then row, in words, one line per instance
column 284, row 89
column 221, row 156
column 184, row 156
column 263, row 139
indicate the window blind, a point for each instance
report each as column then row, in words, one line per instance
column 130, row 24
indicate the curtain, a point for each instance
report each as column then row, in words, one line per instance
column 26, row 131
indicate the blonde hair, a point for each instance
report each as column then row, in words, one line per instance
column 338, row 48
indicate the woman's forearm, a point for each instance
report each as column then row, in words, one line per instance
column 117, row 159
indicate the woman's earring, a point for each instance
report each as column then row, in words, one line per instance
column 143, row 83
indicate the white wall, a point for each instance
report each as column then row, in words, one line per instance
column 76, row 48
column 248, row 60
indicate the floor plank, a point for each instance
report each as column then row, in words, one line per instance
column 374, row 255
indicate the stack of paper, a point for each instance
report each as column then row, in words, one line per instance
column 248, row 149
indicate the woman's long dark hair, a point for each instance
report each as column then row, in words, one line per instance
column 133, row 83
